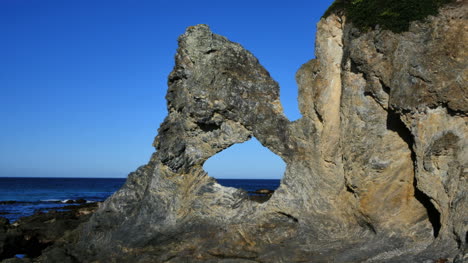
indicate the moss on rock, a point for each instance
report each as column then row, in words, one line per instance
column 394, row 15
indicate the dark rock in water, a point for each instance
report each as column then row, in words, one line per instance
column 263, row 192
column 78, row 201
column 31, row 235
column 8, row 202
column 376, row 167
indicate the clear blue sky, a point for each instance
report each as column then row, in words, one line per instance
column 83, row 82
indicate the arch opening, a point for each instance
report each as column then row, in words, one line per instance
column 248, row 166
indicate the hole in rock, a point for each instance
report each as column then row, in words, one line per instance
column 249, row 166
column 208, row 127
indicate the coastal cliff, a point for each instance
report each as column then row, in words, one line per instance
column 376, row 167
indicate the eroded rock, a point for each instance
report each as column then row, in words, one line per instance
column 376, row 167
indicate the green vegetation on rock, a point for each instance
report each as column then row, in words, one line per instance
column 394, row 15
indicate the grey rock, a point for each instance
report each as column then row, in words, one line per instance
column 4, row 224
column 376, row 167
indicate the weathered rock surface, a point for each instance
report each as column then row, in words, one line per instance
column 376, row 167
column 33, row 234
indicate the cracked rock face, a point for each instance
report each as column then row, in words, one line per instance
column 376, row 167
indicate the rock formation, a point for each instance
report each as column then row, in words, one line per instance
column 32, row 235
column 376, row 167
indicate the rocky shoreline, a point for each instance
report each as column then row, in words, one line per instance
column 30, row 236
column 50, row 229
column 376, row 167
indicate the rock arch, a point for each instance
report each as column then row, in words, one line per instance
column 359, row 149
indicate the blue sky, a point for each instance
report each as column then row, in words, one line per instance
column 83, row 82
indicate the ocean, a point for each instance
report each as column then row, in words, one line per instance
column 24, row 196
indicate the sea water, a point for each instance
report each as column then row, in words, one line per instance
column 24, row 196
